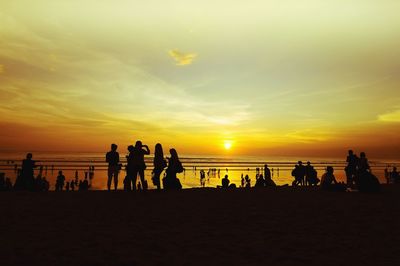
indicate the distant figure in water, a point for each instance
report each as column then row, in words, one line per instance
column 60, row 181
column 202, row 178
column 112, row 158
column 26, row 179
column 242, row 181
column 159, row 165
column 170, row 181
column 138, row 164
column 329, row 183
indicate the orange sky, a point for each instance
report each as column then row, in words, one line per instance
column 271, row 78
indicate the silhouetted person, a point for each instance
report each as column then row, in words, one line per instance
column 242, row 181
column 159, row 165
column 267, row 172
column 112, row 158
column 260, row 181
column 394, row 175
column 225, row 182
column 128, row 182
column 363, row 164
column 297, row 177
column 329, row 183
column 170, row 181
column 247, row 181
column 311, row 175
column 351, row 168
column 138, row 164
column 60, row 181
column 72, row 185
column 25, row 179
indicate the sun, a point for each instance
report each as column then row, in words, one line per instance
column 227, row 144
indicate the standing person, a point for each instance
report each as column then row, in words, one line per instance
column 128, row 182
column 60, row 181
column 351, row 168
column 159, row 164
column 25, row 180
column 267, row 172
column 139, row 165
column 112, row 158
column 170, row 181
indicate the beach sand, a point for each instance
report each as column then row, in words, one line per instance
column 284, row 226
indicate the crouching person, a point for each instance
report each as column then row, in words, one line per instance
column 329, row 183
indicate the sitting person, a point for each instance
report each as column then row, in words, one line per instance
column 225, row 182
column 328, row 181
column 260, row 181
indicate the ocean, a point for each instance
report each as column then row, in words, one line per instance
column 233, row 166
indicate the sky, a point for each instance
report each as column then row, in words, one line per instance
column 286, row 77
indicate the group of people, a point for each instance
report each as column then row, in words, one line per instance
column 392, row 176
column 136, row 166
column 305, row 175
column 358, row 174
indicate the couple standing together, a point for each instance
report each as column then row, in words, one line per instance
column 136, row 166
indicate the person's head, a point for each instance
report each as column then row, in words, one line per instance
column 265, row 165
column 138, row 144
column 261, row 176
column 60, row 172
column 329, row 169
column 300, row 162
column 158, row 151
column 226, row 177
column 130, row 148
column 114, row 147
column 362, row 155
column 29, row 156
column 351, row 152
column 308, row 163
column 174, row 154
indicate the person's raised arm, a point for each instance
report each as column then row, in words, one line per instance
column 147, row 150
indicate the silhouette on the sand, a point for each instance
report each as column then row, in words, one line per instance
column 137, row 162
column 112, row 158
column 60, row 181
column 25, row 180
column 329, row 183
column 170, row 181
column 311, row 175
column 159, row 165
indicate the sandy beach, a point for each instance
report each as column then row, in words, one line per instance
column 283, row 226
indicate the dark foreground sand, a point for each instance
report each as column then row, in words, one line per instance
column 201, row 227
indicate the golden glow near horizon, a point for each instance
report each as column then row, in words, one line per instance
column 227, row 144
column 278, row 77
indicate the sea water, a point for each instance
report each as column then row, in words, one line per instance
column 233, row 166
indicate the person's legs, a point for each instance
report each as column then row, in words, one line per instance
column 141, row 174
column 116, row 179
column 134, row 177
column 110, row 176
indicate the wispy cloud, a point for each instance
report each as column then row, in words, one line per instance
column 181, row 58
column 390, row 117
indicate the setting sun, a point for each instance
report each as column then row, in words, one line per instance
column 227, row 144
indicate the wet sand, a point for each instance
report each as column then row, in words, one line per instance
column 284, row 226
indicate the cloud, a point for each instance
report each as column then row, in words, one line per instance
column 181, row 58
column 390, row 117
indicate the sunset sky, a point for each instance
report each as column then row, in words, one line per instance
column 283, row 77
